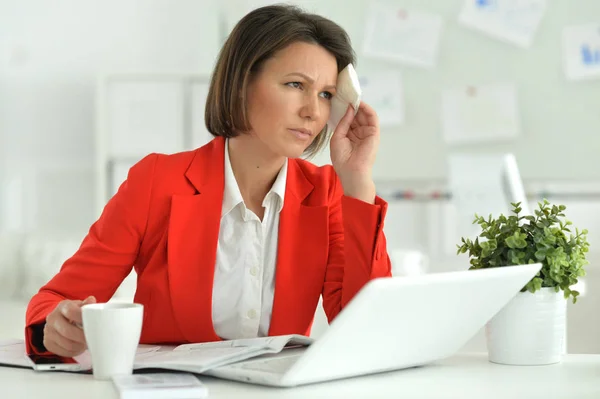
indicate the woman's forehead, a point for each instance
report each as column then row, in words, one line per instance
column 309, row 59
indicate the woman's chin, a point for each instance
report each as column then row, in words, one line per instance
column 295, row 151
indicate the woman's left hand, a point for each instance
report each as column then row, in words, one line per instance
column 353, row 148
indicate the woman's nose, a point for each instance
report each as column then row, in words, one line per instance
column 312, row 108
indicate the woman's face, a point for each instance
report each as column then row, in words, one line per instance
column 289, row 99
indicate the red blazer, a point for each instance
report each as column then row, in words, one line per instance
column 164, row 221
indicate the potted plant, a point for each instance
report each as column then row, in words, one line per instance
column 530, row 329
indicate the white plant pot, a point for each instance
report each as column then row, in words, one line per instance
column 529, row 330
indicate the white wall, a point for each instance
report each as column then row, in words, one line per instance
column 52, row 51
column 559, row 118
column 50, row 55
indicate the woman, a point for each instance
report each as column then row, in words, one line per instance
column 240, row 237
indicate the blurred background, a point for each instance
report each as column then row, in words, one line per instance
column 87, row 88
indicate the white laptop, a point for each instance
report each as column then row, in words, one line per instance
column 391, row 324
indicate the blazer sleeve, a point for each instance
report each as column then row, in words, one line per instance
column 357, row 248
column 105, row 257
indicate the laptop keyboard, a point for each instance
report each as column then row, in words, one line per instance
column 277, row 365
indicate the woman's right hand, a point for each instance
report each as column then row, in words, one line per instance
column 63, row 332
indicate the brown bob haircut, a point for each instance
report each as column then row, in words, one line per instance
column 256, row 38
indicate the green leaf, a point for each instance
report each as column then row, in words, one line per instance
column 543, row 237
column 511, row 242
column 540, row 255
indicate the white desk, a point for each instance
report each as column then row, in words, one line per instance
column 462, row 376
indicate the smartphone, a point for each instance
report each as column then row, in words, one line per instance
column 54, row 363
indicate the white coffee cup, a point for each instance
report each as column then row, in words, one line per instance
column 112, row 332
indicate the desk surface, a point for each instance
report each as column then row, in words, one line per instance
column 462, row 376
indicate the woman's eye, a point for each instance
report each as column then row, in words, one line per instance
column 298, row 85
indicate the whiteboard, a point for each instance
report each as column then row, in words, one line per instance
column 559, row 119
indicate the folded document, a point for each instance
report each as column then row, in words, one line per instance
column 193, row 358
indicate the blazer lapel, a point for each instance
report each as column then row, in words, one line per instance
column 301, row 257
column 192, row 243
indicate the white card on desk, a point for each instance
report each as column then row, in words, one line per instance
column 159, row 386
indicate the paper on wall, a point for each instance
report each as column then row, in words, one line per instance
column 581, row 51
column 512, row 21
column 480, row 113
column 396, row 34
column 383, row 91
